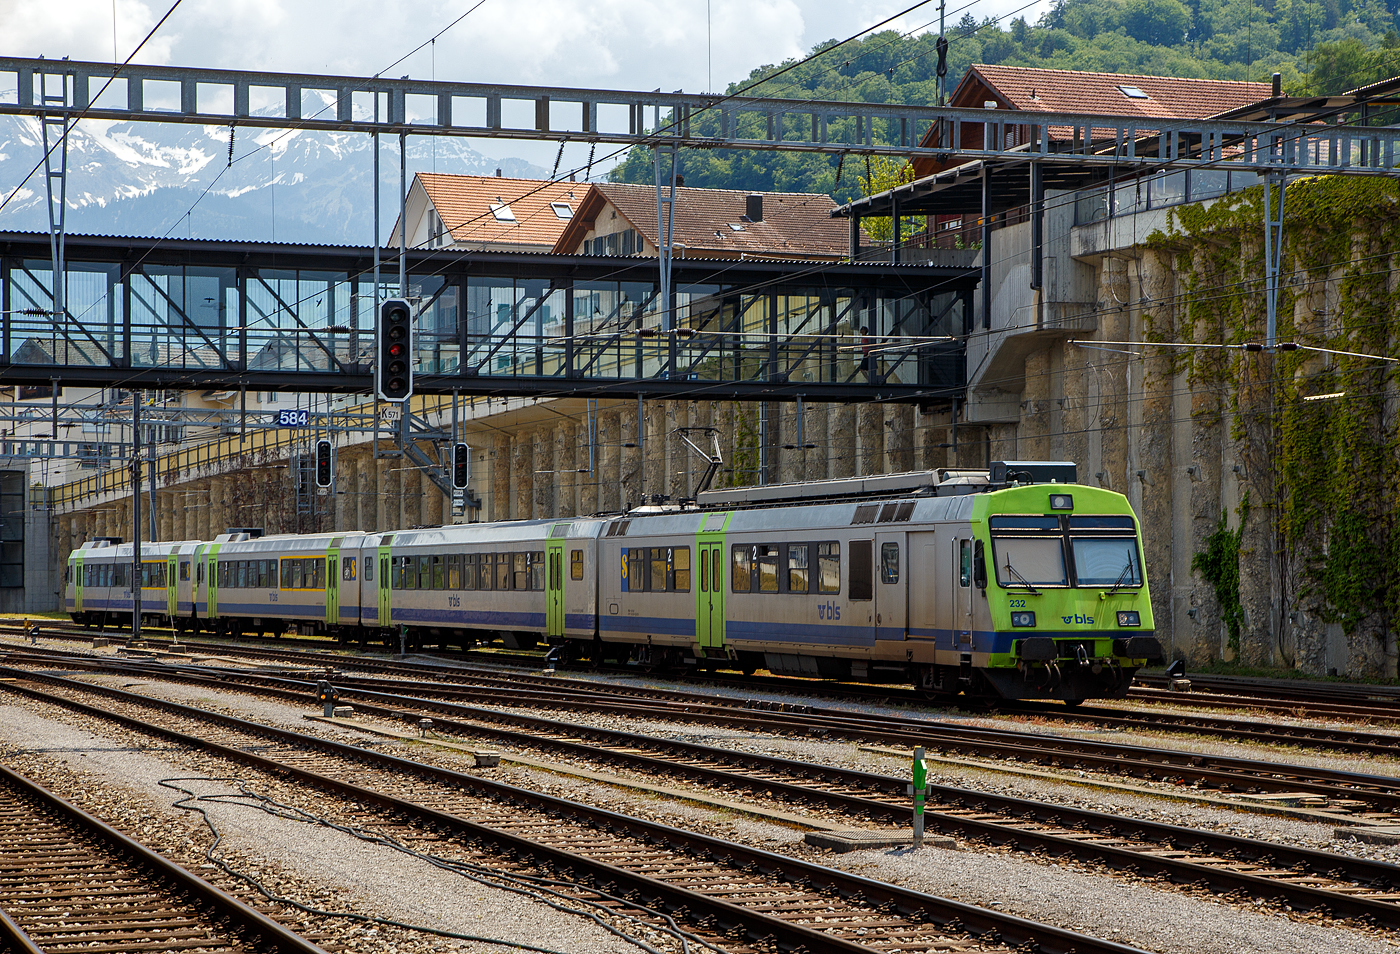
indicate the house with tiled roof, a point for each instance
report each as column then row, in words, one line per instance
column 616, row 218
column 1030, row 89
column 487, row 212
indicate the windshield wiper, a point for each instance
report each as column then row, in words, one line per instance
column 1012, row 569
column 1119, row 582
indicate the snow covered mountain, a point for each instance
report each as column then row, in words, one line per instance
column 154, row 179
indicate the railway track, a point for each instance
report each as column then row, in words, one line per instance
column 1295, row 690
column 1300, row 878
column 1339, row 739
column 69, row 882
column 1371, row 798
column 743, row 898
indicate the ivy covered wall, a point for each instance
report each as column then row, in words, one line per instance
column 1314, row 431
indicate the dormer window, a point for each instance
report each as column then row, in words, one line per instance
column 1133, row 92
column 562, row 210
column 502, row 212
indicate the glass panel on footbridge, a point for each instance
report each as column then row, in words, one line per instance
column 89, row 334
column 183, row 317
column 303, row 320
column 607, row 318
column 437, row 342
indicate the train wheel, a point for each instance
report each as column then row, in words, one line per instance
column 1071, row 703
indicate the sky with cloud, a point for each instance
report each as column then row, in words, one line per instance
column 686, row 45
column 629, row 44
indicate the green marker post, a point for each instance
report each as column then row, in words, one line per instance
column 919, row 789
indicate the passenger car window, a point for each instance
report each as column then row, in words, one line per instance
column 862, row 577
column 889, row 563
column 766, row 557
column 741, row 581
column 797, row 568
column 575, row 564
column 680, row 567
column 829, row 567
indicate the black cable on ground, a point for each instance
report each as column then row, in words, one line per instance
column 539, row 889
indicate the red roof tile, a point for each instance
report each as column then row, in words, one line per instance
column 1072, row 91
column 1025, row 88
column 464, row 205
column 794, row 224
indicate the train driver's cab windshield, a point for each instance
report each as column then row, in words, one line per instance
column 1106, row 562
column 1030, row 551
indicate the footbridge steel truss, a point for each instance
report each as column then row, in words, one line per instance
column 248, row 322
column 192, row 314
column 136, row 93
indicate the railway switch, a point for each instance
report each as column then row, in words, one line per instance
column 328, row 696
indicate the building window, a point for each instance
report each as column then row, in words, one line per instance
column 562, row 210
column 12, row 513
column 502, row 212
column 1133, row 92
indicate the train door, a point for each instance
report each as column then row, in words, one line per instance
column 333, row 582
column 927, row 583
column 892, row 587
column 78, row 582
column 860, row 587
column 960, row 606
column 211, row 582
column 554, row 588
column 709, row 594
column 383, row 555
column 170, row 578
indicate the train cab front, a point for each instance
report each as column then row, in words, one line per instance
column 1067, row 596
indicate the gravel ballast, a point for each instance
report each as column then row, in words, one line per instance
column 1069, row 895
column 308, row 862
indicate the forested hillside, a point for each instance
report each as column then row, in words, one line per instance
column 1324, row 47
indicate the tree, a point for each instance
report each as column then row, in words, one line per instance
column 1340, row 66
column 885, row 172
column 1159, row 22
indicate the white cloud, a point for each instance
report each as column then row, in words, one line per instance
column 631, row 44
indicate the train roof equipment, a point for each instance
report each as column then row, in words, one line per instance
column 944, row 482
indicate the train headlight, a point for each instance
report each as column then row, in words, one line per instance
column 1062, row 501
column 1129, row 618
column 1023, row 618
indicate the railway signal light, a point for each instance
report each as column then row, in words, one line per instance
column 394, row 369
column 324, row 470
column 461, row 466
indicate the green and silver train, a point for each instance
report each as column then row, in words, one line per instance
column 1013, row 582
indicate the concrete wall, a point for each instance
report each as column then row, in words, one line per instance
column 529, row 460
